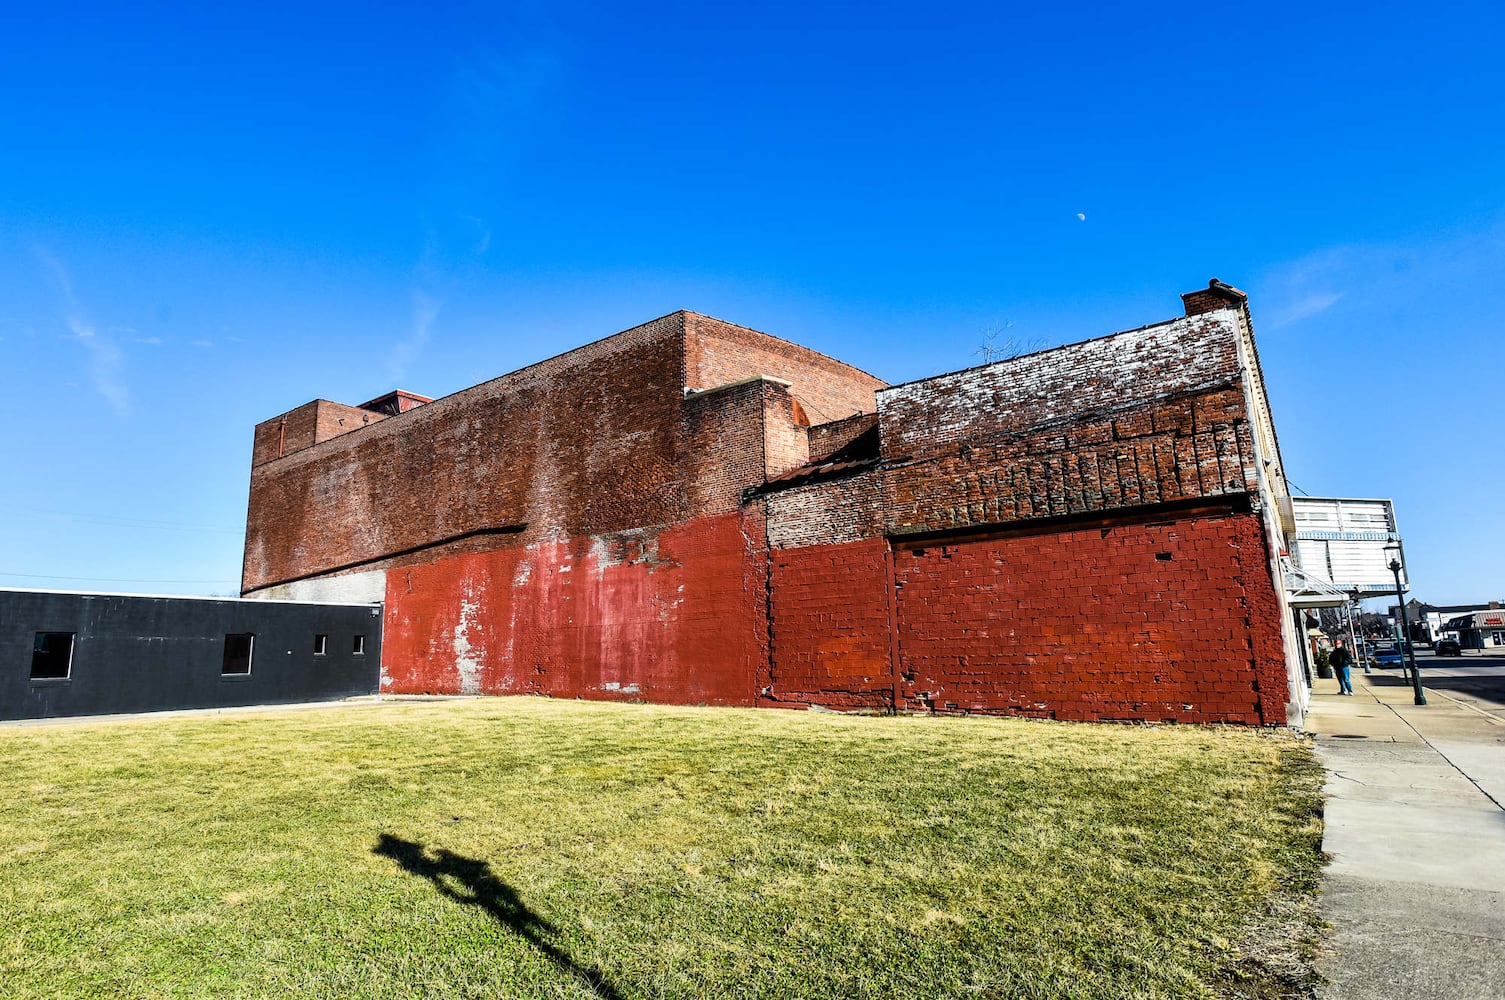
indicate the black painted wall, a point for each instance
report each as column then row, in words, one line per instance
column 150, row 654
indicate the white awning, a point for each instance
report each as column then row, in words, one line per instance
column 1303, row 590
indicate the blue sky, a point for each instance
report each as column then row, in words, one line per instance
column 211, row 216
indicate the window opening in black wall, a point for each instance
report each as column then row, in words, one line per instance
column 321, row 645
column 52, row 656
column 237, row 653
column 359, row 645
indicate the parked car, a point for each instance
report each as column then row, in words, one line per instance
column 1392, row 657
column 1448, row 647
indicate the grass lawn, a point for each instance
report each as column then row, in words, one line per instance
column 519, row 847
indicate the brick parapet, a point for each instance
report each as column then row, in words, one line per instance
column 1195, row 446
column 1018, row 395
column 724, row 442
column 598, row 439
column 305, row 426
column 583, row 442
column 718, row 352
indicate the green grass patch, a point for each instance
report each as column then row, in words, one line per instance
column 533, row 848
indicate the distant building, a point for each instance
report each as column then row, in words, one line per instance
column 1435, row 617
column 1484, row 629
column 691, row 511
column 69, row 654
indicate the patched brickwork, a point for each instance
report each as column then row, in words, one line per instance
column 827, row 512
column 830, row 610
column 1172, row 621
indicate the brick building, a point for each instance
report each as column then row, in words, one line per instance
column 693, row 512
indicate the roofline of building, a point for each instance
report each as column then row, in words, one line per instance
column 187, row 597
column 784, row 340
column 1049, row 350
column 1388, row 500
column 572, row 350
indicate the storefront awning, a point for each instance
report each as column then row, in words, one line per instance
column 1306, row 591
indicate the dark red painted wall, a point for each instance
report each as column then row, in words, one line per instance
column 830, row 613
column 1170, row 621
column 674, row 616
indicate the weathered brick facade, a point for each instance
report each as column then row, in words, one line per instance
column 691, row 511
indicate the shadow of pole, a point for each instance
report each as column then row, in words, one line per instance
column 478, row 886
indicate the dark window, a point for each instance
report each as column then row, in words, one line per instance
column 51, row 656
column 321, row 645
column 359, row 645
column 237, row 653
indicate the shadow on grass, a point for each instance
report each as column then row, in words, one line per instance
column 469, row 881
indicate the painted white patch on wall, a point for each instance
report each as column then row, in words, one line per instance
column 466, row 656
column 369, row 587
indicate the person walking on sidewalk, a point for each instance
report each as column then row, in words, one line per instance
column 1340, row 659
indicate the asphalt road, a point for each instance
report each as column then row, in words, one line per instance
column 1478, row 681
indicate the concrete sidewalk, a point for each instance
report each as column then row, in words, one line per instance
column 1415, row 824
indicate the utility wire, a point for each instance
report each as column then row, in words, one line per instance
column 110, row 579
column 125, row 522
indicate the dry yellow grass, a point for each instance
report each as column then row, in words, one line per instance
column 533, row 848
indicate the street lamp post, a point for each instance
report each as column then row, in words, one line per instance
column 1405, row 620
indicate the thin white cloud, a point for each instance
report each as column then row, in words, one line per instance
column 106, row 360
column 1394, row 275
column 406, row 351
column 1306, row 307
column 105, row 365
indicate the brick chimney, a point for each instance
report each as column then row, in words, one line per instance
column 1217, row 295
column 395, row 402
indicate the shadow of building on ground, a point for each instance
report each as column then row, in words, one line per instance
column 471, row 881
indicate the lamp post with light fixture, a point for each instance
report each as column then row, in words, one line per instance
column 1405, row 620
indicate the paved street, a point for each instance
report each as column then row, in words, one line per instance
column 1476, row 681
column 1416, row 830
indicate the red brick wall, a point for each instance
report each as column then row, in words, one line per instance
column 587, row 442
column 722, row 445
column 829, row 605
column 827, row 439
column 786, row 441
column 599, row 439
column 718, row 352
column 581, row 528
column 1185, row 447
column 675, row 616
column 1169, row 621
column 305, row 427
column 829, row 512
